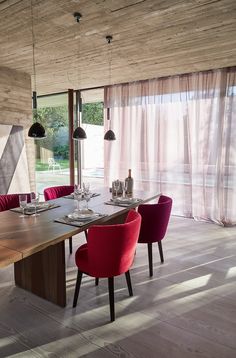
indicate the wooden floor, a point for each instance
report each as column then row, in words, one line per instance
column 188, row 308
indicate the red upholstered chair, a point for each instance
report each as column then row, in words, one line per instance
column 55, row 192
column 155, row 219
column 10, row 201
column 109, row 252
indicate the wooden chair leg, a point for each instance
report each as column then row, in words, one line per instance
column 128, row 280
column 96, row 281
column 70, row 245
column 111, row 298
column 77, row 287
column 150, row 258
column 160, row 251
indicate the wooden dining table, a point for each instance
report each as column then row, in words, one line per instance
column 36, row 245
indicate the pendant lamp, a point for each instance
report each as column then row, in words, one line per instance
column 36, row 131
column 109, row 135
column 79, row 133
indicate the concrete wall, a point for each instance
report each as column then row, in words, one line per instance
column 16, row 108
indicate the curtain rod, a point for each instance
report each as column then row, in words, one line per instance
column 65, row 92
column 125, row 83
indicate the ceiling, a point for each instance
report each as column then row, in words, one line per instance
column 151, row 38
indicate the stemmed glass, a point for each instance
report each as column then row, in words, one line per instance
column 34, row 197
column 87, row 196
column 125, row 188
column 116, row 186
column 86, row 187
column 78, row 195
column 23, row 204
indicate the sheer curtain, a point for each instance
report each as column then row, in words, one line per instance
column 178, row 135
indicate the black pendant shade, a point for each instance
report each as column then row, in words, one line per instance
column 37, row 131
column 79, row 134
column 109, row 135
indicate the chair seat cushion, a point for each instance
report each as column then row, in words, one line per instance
column 81, row 258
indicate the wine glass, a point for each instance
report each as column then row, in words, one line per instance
column 34, row 197
column 78, row 195
column 122, row 188
column 86, row 187
column 116, row 186
column 87, row 196
column 125, row 188
column 23, row 204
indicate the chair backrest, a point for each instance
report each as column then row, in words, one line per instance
column 155, row 219
column 10, row 201
column 51, row 161
column 111, row 248
column 55, row 192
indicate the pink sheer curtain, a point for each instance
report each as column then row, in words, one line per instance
column 178, row 135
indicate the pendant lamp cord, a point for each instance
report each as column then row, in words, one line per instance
column 33, row 44
column 78, row 93
column 109, row 55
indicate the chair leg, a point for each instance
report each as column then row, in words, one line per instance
column 128, row 280
column 70, row 245
column 150, row 258
column 160, row 251
column 77, row 287
column 111, row 298
column 96, row 281
column 86, row 234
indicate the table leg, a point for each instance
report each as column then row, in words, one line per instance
column 44, row 274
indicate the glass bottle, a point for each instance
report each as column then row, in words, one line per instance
column 129, row 183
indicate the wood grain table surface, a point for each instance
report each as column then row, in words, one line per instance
column 36, row 244
column 22, row 237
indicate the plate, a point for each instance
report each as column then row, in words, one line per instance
column 125, row 200
column 83, row 215
column 41, row 205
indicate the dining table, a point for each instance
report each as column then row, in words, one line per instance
column 36, row 244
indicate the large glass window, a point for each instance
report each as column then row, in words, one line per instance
column 52, row 153
column 93, row 146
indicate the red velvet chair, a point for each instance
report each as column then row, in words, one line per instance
column 155, row 219
column 11, row 201
column 108, row 253
column 56, row 192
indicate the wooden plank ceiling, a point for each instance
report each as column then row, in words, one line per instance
column 151, row 38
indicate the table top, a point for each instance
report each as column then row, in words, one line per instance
column 8, row 256
column 21, row 237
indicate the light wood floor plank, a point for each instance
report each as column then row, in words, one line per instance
column 187, row 310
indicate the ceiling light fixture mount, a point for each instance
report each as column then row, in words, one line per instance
column 77, row 16
column 109, row 39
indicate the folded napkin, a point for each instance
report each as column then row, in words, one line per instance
column 69, row 220
column 124, row 202
column 71, row 196
column 30, row 210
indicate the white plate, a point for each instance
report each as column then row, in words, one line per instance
column 84, row 215
column 41, row 205
column 125, row 200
